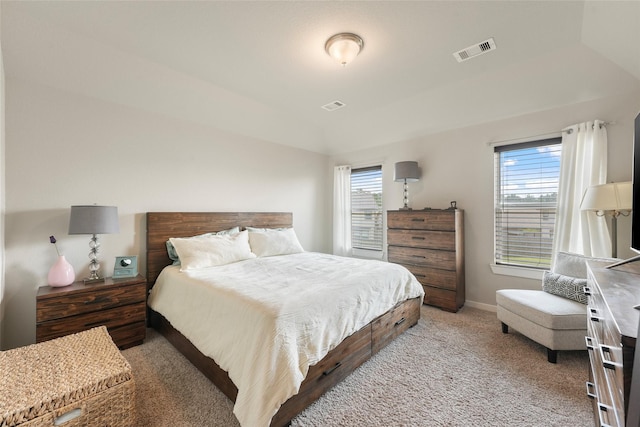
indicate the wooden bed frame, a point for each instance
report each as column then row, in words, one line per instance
column 332, row 369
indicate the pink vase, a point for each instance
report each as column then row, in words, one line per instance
column 61, row 273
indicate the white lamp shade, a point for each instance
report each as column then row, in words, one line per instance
column 93, row 219
column 615, row 196
column 408, row 171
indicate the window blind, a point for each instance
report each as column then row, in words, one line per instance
column 526, row 191
column 366, row 208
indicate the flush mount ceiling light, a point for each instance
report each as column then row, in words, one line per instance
column 344, row 47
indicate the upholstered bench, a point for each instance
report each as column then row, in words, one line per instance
column 556, row 315
column 555, row 322
column 72, row 381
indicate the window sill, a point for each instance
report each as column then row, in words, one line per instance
column 367, row 254
column 507, row 270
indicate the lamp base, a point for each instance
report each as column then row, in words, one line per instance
column 405, row 208
column 89, row 280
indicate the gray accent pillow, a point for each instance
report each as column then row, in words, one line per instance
column 564, row 286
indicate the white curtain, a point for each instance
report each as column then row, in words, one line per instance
column 342, row 211
column 583, row 164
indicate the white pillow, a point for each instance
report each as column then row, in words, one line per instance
column 172, row 252
column 271, row 242
column 210, row 251
column 575, row 265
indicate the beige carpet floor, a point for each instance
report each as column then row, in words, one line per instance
column 449, row 370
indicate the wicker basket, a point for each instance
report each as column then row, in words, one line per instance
column 77, row 380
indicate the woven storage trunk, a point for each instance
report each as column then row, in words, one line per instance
column 77, row 380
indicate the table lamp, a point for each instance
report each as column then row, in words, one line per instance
column 406, row 172
column 94, row 220
column 609, row 199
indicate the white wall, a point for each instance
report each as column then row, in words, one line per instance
column 2, row 188
column 458, row 165
column 64, row 149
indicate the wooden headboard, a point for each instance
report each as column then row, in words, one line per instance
column 163, row 225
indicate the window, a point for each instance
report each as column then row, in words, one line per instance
column 366, row 208
column 526, row 190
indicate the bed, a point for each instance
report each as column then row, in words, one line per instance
column 321, row 368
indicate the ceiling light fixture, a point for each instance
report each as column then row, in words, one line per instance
column 344, row 47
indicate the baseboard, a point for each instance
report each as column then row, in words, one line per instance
column 481, row 306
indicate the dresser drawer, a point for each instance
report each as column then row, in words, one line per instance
column 611, row 358
column 70, row 304
column 440, row 297
column 418, row 220
column 444, row 279
column 429, row 239
column 111, row 318
column 444, row 260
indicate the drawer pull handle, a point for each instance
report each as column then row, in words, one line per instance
column 92, row 324
column 419, row 256
column 590, row 387
column 420, row 275
column 586, row 290
column 417, row 237
column 98, row 300
column 417, row 219
column 330, row 370
column 593, row 310
column 604, row 416
column 595, row 318
column 400, row 322
column 589, row 342
column 606, row 361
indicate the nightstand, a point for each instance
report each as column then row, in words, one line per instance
column 119, row 304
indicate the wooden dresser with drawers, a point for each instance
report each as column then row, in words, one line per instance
column 430, row 243
column 612, row 331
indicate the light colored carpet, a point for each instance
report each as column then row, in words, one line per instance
column 449, row 370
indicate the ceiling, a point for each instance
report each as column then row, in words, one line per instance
column 259, row 69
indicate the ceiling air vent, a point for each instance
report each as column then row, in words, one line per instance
column 332, row 106
column 475, row 50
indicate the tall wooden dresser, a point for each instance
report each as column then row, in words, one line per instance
column 430, row 243
column 612, row 330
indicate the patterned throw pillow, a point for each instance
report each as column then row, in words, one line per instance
column 564, row 286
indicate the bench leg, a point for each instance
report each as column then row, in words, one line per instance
column 505, row 328
column 552, row 355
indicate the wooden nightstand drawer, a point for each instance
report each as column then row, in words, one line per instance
column 119, row 304
column 71, row 304
column 129, row 335
column 111, row 318
column 442, row 240
column 426, row 257
column 422, row 220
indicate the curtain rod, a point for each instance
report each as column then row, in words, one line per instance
column 557, row 134
column 569, row 130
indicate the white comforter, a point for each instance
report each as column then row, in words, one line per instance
column 266, row 320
